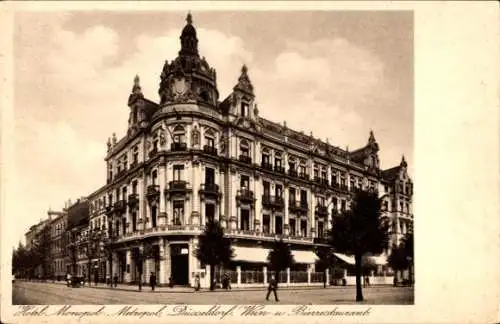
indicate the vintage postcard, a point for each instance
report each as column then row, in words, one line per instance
column 212, row 161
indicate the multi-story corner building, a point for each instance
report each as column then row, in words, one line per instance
column 58, row 222
column 193, row 156
column 33, row 237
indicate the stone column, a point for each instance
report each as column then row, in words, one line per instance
column 327, row 275
column 287, row 276
column 168, row 203
column 162, row 279
column 128, row 255
column 234, row 189
column 329, row 174
column 238, row 274
column 195, row 183
column 264, row 270
column 309, row 269
column 256, row 153
column 141, row 191
column 310, row 212
column 257, row 208
column 161, row 208
column 286, row 220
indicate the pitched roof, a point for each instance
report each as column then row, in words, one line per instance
column 390, row 174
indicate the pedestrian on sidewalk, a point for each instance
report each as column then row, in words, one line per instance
column 108, row 280
column 115, row 280
column 273, row 286
column 68, row 279
column 152, row 281
column 197, row 283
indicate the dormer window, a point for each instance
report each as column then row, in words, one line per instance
column 244, row 109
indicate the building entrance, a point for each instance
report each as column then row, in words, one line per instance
column 180, row 263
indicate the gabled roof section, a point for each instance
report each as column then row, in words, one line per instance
column 390, row 174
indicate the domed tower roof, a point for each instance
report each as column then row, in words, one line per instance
column 189, row 42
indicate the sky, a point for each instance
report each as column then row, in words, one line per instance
column 337, row 74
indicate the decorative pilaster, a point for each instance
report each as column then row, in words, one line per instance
column 195, row 183
column 128, row 259
column 257, row 207
column 286, row 221
column 162, row 215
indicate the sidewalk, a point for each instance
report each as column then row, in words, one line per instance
column 147, row 288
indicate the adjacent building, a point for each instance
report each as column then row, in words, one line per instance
column 58, row 221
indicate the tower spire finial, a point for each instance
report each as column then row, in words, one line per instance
column 189, row 18
column 137, row 85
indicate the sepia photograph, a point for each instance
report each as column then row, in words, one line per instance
column 227, row 157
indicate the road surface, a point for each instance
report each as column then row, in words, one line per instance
column 28, row 293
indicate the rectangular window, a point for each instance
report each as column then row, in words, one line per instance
column 321, row 233
column 210, row 141
column 178, row 172
column 265, row 159
column 209, row 176
column 316, row 173
column 302, row 170
column 293, row 231
column 245, row 220
column 291, row 166
column 291, row 196
column 179, row 138
column 178, row 212
column 134, row 187
column 279, row 225
column 244, row 151
column 323, row 175
column 124, row 193
column 342, row 205
column 277, row 162
column 267, row 188
column 279, row 191
column 135, row 155
column 303, row 228
column 266, row 224
column 245, row 182
column 154, row 176
column 303, row 197
column 117, row 192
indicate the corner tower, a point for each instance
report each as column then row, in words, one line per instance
column 188, row 78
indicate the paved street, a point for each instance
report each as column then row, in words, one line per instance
column 56, row 294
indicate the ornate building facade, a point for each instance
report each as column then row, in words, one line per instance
column 193, row 156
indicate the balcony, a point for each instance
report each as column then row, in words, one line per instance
column 245, row 159
column 153, row 191
column 177, row 187
column 120, row 206
column 339, row 187
column 266, row 165
column 153, row 152
column 245, row 196
column 279, row 168
column 321, row 181
column 304, row 176
column 178, row 147
column 273, row 202
column 292, row 173
column 133, row 200
column 211, row 150
column 298, row 207
column 321, row 211
column 120, row 173
column 209, row 190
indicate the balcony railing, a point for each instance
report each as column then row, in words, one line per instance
column 209, row 189
column 321, row 210
column 177, row 185
column 120, row 206
column 153, row 152
column 279, row 168
column 153, row 191
column 293, row 173
column 304, row 176
column 321, row 181
column 339, row 187
column 133, row 200
column 245, row 159
column 245, row 195
column 266, row 165
column 273, row 202
column 210, row 150
column 176, row 147
column 298, row 207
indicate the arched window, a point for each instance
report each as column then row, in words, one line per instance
column 179, row 134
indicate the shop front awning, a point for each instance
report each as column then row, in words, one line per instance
column 304, row 257
column 259, row 255
column 346, row 258
column 249, row 254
